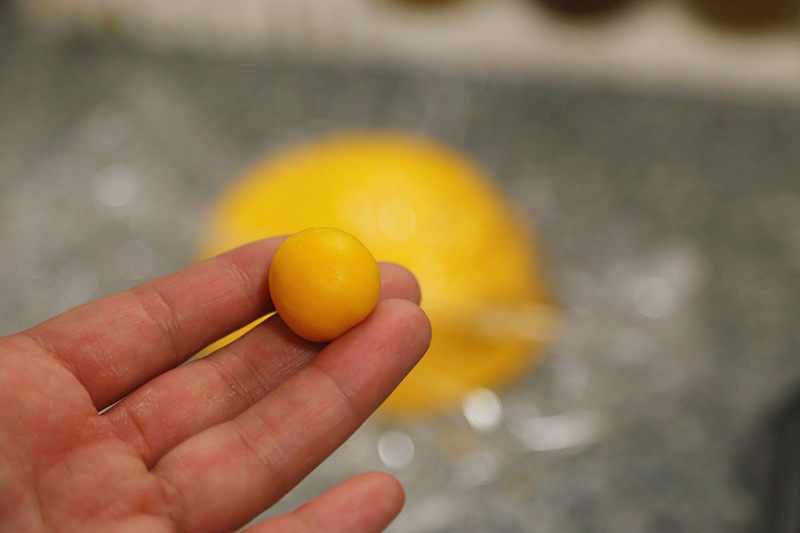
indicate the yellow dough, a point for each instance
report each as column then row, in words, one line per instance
column 417, row 203
column 323, row 282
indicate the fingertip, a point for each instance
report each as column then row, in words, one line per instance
column 385, row 495
column 409, row 321
column 393, row 492
column 399, row 282
column 365, row 503
column 370, row 360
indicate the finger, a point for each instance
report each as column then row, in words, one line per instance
column 399, row 282
column 193, row 397
column 115, row 344
column 224, row 476
column 366, row 503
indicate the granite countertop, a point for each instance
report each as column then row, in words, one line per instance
column 671, row 227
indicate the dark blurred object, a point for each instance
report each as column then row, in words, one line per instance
column 585, row 8
column 783, row 496
column 744, row 14
column 428, row 3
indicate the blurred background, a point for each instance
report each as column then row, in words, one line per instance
column 613, row 187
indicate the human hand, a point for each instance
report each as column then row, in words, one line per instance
column 204, row 446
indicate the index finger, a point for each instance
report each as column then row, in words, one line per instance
column 119, row 342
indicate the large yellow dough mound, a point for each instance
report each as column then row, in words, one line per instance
column 424, row 206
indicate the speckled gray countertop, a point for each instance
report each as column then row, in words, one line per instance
column 672, row 229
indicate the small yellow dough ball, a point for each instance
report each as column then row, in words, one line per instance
column 323, row 282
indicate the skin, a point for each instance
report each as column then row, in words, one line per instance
column 204, row 446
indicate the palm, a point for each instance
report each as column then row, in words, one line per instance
column 65, row 463
column 203, row 446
